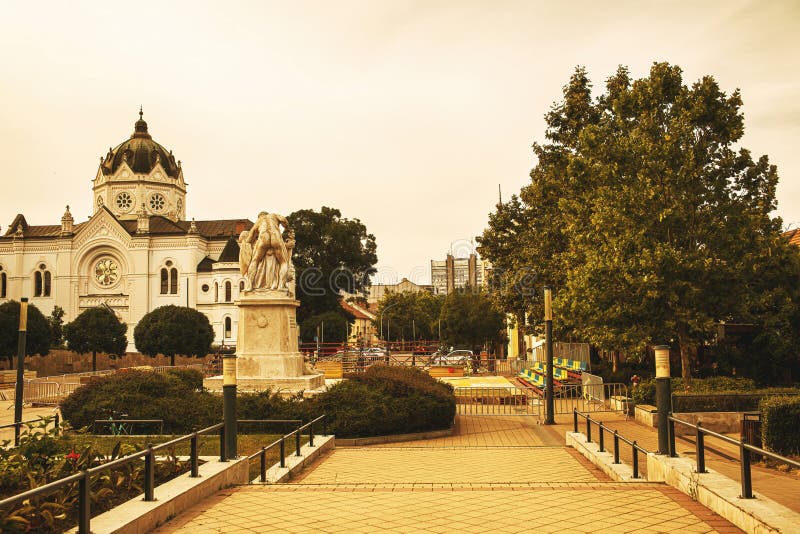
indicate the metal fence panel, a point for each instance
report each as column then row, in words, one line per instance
column 497, row 401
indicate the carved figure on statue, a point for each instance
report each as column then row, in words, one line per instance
column 264, row 257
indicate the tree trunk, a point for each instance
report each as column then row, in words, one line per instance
column 94, row 360
column 172, row 360
column 614, row 361
column 686, row 361
column 521, row 338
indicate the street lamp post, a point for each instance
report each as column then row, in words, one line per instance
column 662, row 396
column 21, row 348
column 229, row 403
column 548, row 336
column 390, row 306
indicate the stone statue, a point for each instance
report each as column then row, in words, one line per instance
column 264, row 257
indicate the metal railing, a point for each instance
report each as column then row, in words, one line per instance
column 745, row 450
column 281, row 443
column 589, row 398
column 18, row 426
column 635, row 447
column 84, row 478
column 497, row 401
column 727, row 402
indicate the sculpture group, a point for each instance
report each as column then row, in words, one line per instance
column 264, row 257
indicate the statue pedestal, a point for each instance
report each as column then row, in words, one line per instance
column 268, row 356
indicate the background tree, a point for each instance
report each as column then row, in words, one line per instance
column 471, row 320
column 38, row 337
column 331, row 254
column 334, row 327
column 96, row 330
column 410, row 315
column 526, row 236
column 650, row 223
column 171, row 330
column 56, row 320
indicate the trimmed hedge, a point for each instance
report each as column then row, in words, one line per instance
column 387, row 400
column 780, row 431
column 173, row 396
column 381, row 401
column 645, row 392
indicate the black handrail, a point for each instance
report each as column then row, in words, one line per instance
column 635, row 447
column 262, row 453
column 18, row 426
column 84, row 480
column 744, row 452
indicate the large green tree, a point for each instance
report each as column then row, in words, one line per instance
column 38, row 331
column 96, row 330
column 171, row 330
column 407, row 316
column 662, row 227
column 331, row 254
column 470, row 319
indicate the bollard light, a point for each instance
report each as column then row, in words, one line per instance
column 662, row 361
column 663, row 393
column 229, row 404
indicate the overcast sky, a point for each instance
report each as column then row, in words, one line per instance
column 404, row 114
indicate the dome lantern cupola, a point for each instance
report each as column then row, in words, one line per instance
column 140, row 171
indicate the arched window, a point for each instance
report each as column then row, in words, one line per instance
column 169, row 279
column 216, row 292
column 42, row 282
column 228, row 327
column 228, row 292
column 241, row 286
column 164, row 282
column 3, row 282
column 173, row 281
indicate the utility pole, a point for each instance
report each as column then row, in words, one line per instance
column 19, row 391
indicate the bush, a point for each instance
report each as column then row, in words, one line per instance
column 173, row 397
column 645, row 392
column 387, row 400
column 779, row 429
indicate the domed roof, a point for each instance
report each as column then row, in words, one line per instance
column 141, row 153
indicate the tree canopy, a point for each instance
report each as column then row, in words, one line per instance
column 334, row 327
column 332, row 254
column 407, row 316
column 96, row 330
column 471, row 320
column 171, row 330
column 38, row 328
column 647, row 219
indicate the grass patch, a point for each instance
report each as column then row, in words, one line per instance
column 208, row 445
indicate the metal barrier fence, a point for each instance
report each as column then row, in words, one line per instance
column 497, row 401
column 745, row 451
column 51, row 390
column 591, row 397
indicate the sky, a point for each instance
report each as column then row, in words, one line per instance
column 407, row 115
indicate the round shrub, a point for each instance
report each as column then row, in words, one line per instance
column 387, row 400
column 173, row 397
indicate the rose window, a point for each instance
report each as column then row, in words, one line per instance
column 106, row 272
column 124, row 201
column 157, row 202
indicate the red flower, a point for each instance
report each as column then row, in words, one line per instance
column 74, row 456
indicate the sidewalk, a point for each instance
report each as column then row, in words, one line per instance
column 487, row 477
column 28, row 413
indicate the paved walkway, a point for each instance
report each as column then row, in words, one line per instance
column 494, row 475
column 28, row 413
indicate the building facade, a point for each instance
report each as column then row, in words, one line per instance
column 455, row 273
column 136, row 252
column 378, row 291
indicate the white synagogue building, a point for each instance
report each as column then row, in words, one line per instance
column 135, row 253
